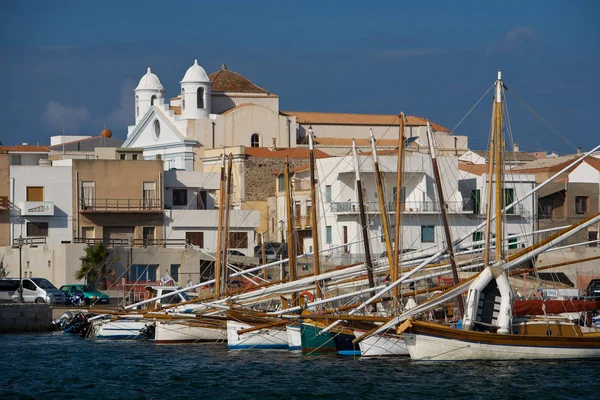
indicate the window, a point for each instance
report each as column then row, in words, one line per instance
column 477, row 236
column 29, row 285
column 255, row 140
column 15, row 159
column 201, row 200
column 427, row 233
column 200, row 97
column 88, row 194
column 148, row 235
column 137, row 106
column 328, row 193
column 509, row 197
column 238, row 240
column 37, row 229
column 143, row 273
column 174, row 272
column 195, row 238
column 152, row 99
column 179, row 197
column 546, row 207
column 149, row 195
column 122, row 156
column 281, row 183
column 581, row 204
column 328, row 235
column 156, row 129
column 345, row 234
column 476, row 201
column 35, row 193
column 592, row 235
column 183, row 99
column 512, row 241
column 134, row 156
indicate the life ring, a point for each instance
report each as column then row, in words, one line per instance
column 310, row 296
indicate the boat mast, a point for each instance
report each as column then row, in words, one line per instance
column 290, row 229
column 499, row 161
column 313, row 213
column 220, row 229
column 363, row 219
column 488, row 206
column 264, row 257
column 397, row 240
column 226, row 220
column 384, row 215
column 444, row 210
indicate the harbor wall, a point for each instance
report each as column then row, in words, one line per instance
column 16, row 318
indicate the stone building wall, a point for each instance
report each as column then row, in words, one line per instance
column 259, row 178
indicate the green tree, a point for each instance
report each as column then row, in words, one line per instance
column 94, row 264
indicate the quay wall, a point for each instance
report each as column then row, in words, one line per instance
column 16, row 318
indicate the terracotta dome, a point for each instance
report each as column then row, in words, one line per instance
column 107, row 133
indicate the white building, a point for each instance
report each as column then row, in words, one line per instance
column 42, row 196
column 422, row 227
column 191, row 213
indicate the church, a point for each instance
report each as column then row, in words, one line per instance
column 212, row 111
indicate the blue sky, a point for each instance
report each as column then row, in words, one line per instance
column 72, row 65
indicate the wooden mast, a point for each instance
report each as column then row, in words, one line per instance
column 384, row 215
column 220, row 229
column 290, row 229
column 397, row 239
column 313, row 213
column 499, row 162
column 444, row 210
column 264, row 257
column 488, row 206
column 226, row 219
column 363, row 219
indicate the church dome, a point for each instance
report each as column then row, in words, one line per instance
column 149, row 81
column 195, row 73
column 107, row 133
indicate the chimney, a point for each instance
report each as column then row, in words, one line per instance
column 274, row 144
column 515, row 147
column 578, row 150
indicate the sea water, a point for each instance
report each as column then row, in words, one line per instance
column 62, row 366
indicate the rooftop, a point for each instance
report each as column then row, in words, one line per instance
column 225, row 80
column 268, row 152
column 24, row 149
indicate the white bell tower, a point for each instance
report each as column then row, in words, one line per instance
column 195, row 93
column 148, row 92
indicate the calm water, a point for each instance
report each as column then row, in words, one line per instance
column 57, row 365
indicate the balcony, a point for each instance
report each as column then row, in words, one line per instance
column 302, row 222
column 3, row 203
column 409, row 207
column 37, row 208
column 120, row 206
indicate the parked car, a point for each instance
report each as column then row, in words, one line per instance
column 271, row 248
column 235, row 253
column 593, row 289
column 35, row 290
column 90, row 295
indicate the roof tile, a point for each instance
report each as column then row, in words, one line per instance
column 267, row 152
column 25, row 149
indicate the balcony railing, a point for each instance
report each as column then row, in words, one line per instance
column 407, row 207
column 3, row 203
column 302, row 222
column 133, row 242
column 121, row 205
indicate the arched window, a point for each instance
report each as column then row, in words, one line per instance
column 152, row 100
column 137, row 106
column 183, row 99
column 255, row 140
column 200, row 97
column 156, row 129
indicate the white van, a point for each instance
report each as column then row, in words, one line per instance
column 35, row 290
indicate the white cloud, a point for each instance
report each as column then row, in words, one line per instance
column 65, row 118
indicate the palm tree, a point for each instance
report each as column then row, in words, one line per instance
column 94, row 264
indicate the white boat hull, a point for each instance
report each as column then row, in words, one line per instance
column 117, row 329
column 294, row 338
column 260, row 339
column 426, row 347
column 167, row 332
column 381, row 345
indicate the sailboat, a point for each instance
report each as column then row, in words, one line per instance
column 489, row 331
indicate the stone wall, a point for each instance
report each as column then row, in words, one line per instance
column 259, row 178
column 25, row 318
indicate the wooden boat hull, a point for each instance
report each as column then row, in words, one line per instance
column 260, row 339
column 175, row 332
column 294, row 337
column 312, row 342
column 381, row 345
column 428, row 341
